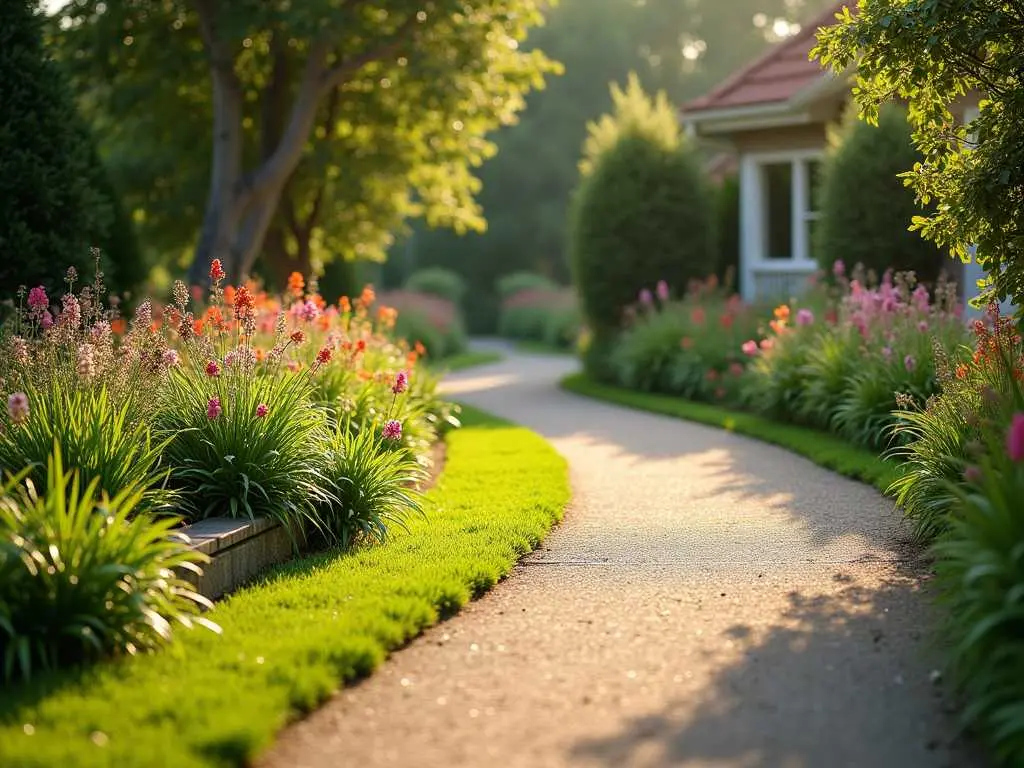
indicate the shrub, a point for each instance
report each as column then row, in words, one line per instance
column 872, row 226
column 642, row 216
column 688, row 347
column 81, row 578
column 508, row 286
column 373, row 486
column 563, row 326
column 980, row 569
column 430, row 320
column 437, row 281
column 727, row 233
column 48, row 210
column 935, row 437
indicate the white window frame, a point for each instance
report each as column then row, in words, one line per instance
column 753, row 212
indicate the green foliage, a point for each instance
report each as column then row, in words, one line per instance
column 502, row 489
column 823, row 449
column 430, row 320
column 82, row 577
column 643, row 215
column 872, row 227
column 931, row 54
column 238, row 463
column 48, row 209
column 545, row 315
column 980, row 569
column 727, row 233
column 373, row 487
column 105, row 441
column 509, row 285
column 437, row 281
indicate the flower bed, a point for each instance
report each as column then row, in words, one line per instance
column 247, row 406
column 542, row 315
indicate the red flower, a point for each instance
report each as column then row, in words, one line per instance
column 323, row 356
column 212, row 369
column 298, row 337
column 216, row 270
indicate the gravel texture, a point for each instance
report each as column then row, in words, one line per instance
column 708, row 601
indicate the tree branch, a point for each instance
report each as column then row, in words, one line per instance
column 336, row 76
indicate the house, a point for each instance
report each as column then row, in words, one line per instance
column 774, row 116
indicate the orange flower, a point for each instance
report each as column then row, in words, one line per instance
column 368, row 296
column 344, row 304
column 365, row 375
column 319, row 301
column 119, row 326
column 782, row 313
column 229, row 295
column 961, row 371
column 410, row 359
column 260, row 355
column 296, row 284
column 197, row 326
column 420, row 349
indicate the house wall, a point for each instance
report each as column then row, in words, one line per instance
column 796, row 137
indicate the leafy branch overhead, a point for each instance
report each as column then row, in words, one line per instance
column 313, row 130
column 934, row 56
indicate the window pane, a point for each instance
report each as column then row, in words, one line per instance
column 814, row 185
column 778, row 186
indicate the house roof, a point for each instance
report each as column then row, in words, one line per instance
column 778, row 76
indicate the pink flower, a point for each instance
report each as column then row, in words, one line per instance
column 229, row 360
column 909, row 363
column 972, row 475
column 213, row 409
column 17, row 407
column 804, row 317
column 662, row 290
column 309, row 311
column 887, row 352
column 261, row 410
column 212, row 369
column 923, row 326
column 46, row 321
column 393, row 430
column 170, row 358
column 1014, row 438
column 71, row 315
column 37, row 298
column 767, row 344
column 646, row 298
column 401, row 383
column 750, row 347
column 86, row 361
column 838, row 268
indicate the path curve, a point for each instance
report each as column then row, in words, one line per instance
column 708, row 601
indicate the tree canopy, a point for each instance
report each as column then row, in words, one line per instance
column 311, row 130
column 935, row 55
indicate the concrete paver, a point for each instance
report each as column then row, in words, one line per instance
column 709, row 601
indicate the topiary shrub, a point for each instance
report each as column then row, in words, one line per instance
column 50, row 212
column 866, row 210
column 437, row 281
column 642, row 216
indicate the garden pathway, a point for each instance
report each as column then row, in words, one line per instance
column 709, row 600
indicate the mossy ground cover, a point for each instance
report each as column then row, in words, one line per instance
column 303, row 630
column 823, row 449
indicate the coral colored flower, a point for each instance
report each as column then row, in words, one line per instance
column 118, row 326
column 1015, row 438
column 686, row 342
column 229, row 295
column 401, row 383
column 212, row 369
column 661, row 289
column 767, row 344
column 17, row 407
column 420, row 349
column 750, row 347
column 782, row 313
column 37, row 298
column 909, row 363
column 298, row 337
column 393, row 430
column 216, row 271
column 244, row 305
column 804, row 317
column 296, row 284
column 961, row 371
column 645, row 297
column 213, row 409
column 261, row 410
column 697, row 316
column 344, row 305
column 368, row 296
column 323, row 356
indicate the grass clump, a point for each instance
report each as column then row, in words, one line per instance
column 308, row 626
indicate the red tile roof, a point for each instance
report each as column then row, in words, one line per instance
column 776, row 77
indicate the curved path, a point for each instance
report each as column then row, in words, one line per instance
column 709, row 601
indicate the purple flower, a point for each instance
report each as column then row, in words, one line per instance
column 213, row 409
column 804, row 317
column 393, row 430
column 17, row 407
column 1015, row 438
column 887, row 352
column 838, row 268
column 646, row 298
column 662, row 290
column 170, row 358
column 909, row 363
column 401, row 383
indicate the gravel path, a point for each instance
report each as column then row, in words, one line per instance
column 708, row 601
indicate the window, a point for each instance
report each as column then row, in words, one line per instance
column 790, row 192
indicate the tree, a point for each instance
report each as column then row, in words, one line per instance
column 872, row 227
column 332, row 121
column 641, row 215
column 48, row 209
column 933, row 54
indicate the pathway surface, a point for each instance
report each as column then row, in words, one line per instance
column 709, row 601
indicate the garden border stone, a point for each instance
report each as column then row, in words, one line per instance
column 238, row 551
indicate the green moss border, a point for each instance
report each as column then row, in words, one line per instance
column 821, row 448
column 304, row 629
